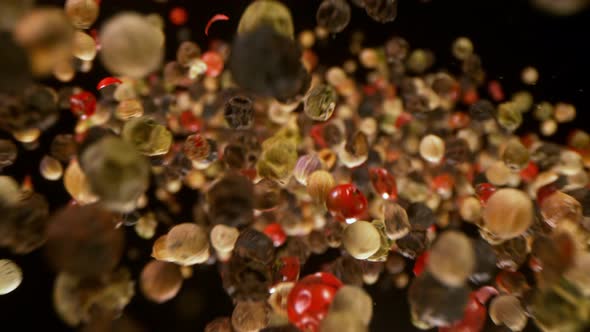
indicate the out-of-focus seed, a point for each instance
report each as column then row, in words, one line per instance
column 50, row 168
column 432, row 148
column 160, row 281
column 333, row 15
column 82, row 13
column 355, row 301
column 452, row 258
column 508, row 213
column 83, row 46
column 507, row 310
column 462, row 48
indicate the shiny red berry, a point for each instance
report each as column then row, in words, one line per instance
column 383, row 183
column 346, row 203
column 310, row 299
column 83, row 104
column 276, row 233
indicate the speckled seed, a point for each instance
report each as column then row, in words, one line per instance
column 82, row 13
column 508, row 213
column 10, row 276
column 507, row 310
column 432, row 148
column 319, row 185
column 187, row 244
column 452, row 259
column 361, row 239
column 223, row 238
column 397, row 224
column 320, row 102
column 249, row 316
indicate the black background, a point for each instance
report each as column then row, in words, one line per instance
column 508, row 34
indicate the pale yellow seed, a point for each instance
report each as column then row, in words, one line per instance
column 83, row 46
column 530, row 75
column 307, row 39
column 508, row 213
column 432, row 148
column 361, row 239
column 11, row 276
column 452, row 258
column 50, row 168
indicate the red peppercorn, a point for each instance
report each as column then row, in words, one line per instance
column 443, row 182
column 474, row 318
column 310, row 299
column 383, row 183
column 83, row 104
column 346, row 202
column 420, row 264
column 288, row 268
column 178, row 16
column 403, row 119
column 317, row 134
column 459, row 120
column 190, row 122
column 484, row 191
column 485, row 293
column 544, row 192
column 214, row 63
column 276, row 233
column 107, row 81
column 495, row 90
column 530, row 172
column 470, row 96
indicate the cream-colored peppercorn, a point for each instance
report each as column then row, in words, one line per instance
column 223, row 238
column 50, row 168
column 11, row 276
column 507, row 310
column 83, row 46
column 508, row 213
column 361, row 239
column 432, row 148
column 354, row 300
column 452, row 258
column 77, row 184
column 187, row 244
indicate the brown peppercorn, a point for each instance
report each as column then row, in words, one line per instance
column 160, row 281
column 250, row 316
column 254, row 245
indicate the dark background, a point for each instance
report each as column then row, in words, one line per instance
column 508, row 34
